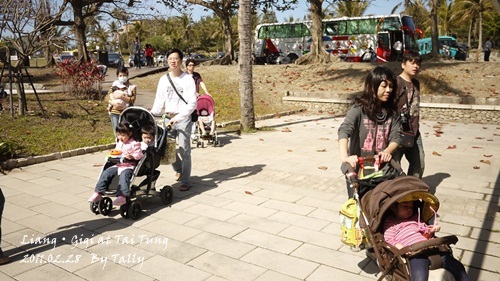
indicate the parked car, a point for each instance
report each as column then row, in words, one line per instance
column 115, row 60
column 161, row 60
column 131, row 60
column 198, row 58
column 64, row 57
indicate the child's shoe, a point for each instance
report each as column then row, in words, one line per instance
column 96, row 197
column 120, row 201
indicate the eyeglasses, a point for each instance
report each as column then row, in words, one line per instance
column 174, row 59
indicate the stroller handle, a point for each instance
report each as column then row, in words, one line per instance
column 352, row 176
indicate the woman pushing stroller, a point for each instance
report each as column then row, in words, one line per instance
column 371, row 126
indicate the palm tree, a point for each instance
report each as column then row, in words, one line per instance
column 113, row 29
column 350, row 8
column 475, row 9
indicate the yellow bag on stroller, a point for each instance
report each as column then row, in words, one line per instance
column 350, row 232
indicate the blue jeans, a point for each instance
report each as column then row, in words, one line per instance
column 420, row 268
column 415, row 156
column 2, row 204
column 123, row 181
column 182, row 130
column 114, row 122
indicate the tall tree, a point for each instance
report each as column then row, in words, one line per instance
column 225, row 9
column 317, row 53
column 245, row 65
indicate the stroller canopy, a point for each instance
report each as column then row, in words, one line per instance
column 205, row 102
column 401, row 189
column 138, row 117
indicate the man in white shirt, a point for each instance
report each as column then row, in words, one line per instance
column 178, row 107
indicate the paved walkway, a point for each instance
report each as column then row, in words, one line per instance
column 264, row 206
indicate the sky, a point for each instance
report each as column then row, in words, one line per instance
column 376, row 7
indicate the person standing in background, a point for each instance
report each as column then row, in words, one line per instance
column 487, row 49
column 137, row 53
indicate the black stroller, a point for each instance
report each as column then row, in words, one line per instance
column 147, row 166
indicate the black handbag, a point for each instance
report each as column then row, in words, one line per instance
column 194, row 114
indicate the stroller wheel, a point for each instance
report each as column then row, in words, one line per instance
column 134, row 210
column 167, row 194
column 94, row 207
column 105, row 206
column 124, row 211
column 199, row 144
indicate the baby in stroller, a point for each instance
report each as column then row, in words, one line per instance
column 393, row 214
column 206, row 121
column 403, row 227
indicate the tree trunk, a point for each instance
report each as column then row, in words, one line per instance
column 245, row 65
column 480, row 46
column 434, row 27
column 228, row 34
column 79, row 27
column 317, row 54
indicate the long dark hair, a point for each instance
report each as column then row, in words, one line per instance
column 368, row 100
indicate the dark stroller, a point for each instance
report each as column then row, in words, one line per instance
column 375, row 204
column 370, row 173
column 206, row 115
column 147, row 166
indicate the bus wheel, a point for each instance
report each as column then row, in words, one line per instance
column 293, row 57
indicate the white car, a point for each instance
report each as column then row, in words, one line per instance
column 161, row 60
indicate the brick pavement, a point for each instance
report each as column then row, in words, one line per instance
column 264, row 206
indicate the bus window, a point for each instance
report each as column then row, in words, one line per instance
column 330, row 28
column 390, row 23
column 367, row 26
column 342, row 28
column 352, row 27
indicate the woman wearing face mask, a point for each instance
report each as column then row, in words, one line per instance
column 121, row 95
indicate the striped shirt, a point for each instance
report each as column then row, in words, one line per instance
column 404, row 231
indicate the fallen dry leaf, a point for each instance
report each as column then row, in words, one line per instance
column 485, row 161
column 248, row 192
column 489, row 140
column 97, row 165
column 290, row 150
column 487, row 155
column 323, row 167
column 452, row 146
column 321, row 150
column 324, row 138
column 435, row 153
column 286, row 130
column 479, row 138
column 476, row 167
column 261, row 139
column 477, row 147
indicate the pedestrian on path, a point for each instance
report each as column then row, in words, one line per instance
column 137, row 53
column 371, row 126
column 3, row 258
column 121, row 95
column 487, row 49
column 408, row 96
column 177, row 94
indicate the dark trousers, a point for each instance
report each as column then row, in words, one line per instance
column 2, row 204
column 487, row 55
column 123, row 181
column 420, row 268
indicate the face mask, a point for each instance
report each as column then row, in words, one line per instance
column 123, row 79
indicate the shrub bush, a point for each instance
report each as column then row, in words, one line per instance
column 83, row 78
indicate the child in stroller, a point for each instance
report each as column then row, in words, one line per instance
column 144, row 164
column 206, row 121
column 391, row 214
column 130, row 150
